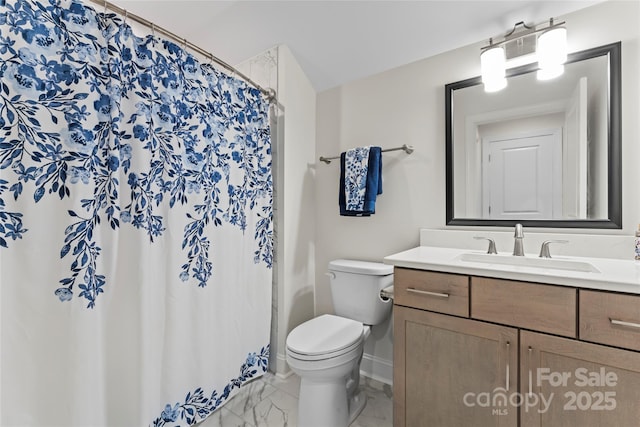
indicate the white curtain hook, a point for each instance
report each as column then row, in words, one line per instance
column 106, row 4
column 210, row 58
column 126, row 15
column 153, row 31
column 184, row 44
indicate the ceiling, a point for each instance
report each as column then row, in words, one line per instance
column 339, row 41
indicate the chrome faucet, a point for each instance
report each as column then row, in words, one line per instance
column 518, row 247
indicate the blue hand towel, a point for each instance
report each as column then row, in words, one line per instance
column 374, row 179
column 360, row 181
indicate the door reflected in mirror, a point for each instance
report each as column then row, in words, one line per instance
column 546, row 153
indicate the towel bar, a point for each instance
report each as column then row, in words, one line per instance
column 406, row 148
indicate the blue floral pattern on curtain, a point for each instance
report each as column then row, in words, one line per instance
column 197, row 406
column 197, row 137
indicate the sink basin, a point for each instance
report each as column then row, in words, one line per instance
column 524, row 261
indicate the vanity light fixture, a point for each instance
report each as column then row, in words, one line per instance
column 549, row 49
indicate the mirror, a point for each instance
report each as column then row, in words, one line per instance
column 539, row 153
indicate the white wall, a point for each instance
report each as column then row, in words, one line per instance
column 296, row 229
column 406, row 106
column 293, row 156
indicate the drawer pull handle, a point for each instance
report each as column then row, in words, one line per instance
column 508, row 360
column 623, row 323
column 530, row 374
column 433, row 294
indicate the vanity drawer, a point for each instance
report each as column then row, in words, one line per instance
column 534, row 306
column 427, row 290
column 609, row 318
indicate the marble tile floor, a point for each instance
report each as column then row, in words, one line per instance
column 273, row 402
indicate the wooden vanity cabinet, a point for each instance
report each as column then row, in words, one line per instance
column 543, row 308
column 584, row 384
column 442, row 364
column 520, row 342
column 439, row 292
column 612, row 319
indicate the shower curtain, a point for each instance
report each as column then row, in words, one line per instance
column 136, row 236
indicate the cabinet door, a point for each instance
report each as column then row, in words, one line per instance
column 452, row 372
column 572, row 383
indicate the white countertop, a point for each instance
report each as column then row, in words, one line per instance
column 614, row 274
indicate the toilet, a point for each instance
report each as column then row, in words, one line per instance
column 326, row 351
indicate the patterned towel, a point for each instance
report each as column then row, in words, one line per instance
column 356, row 165
column 360, row 180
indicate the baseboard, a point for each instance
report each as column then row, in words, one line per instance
column 285, row 375
column 281, row 368
column 377, row 368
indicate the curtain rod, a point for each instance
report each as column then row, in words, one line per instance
column 269, row 93
column 406, row 148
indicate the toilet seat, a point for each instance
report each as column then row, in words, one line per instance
column 324, row 337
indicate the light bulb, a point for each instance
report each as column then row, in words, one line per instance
column 493, row 64
column 495, row 85
column 550, row 72
column 552, row 48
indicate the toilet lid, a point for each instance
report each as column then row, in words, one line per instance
column 324, row 334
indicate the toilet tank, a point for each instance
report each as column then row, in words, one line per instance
column 355, row 289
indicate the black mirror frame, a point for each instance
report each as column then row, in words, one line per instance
column 614, row 163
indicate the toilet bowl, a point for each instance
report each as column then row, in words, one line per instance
column 326, row 351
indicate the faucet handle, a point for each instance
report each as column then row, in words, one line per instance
column 492, row 245
column 544, row 249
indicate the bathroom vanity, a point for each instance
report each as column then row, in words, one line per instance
column 495, row 342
